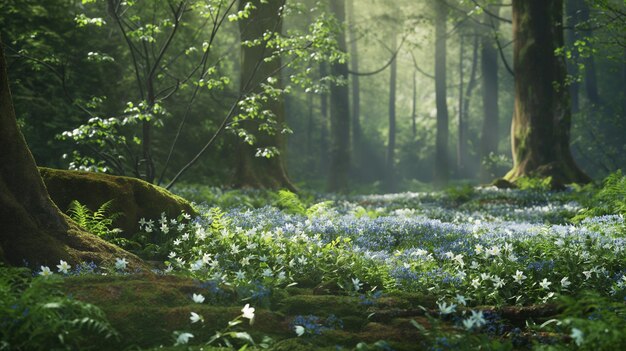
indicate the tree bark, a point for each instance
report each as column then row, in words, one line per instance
column 33, row 228
column 251, row 171
column 572, row 10
column 339, row 115
column 460, row 145
column 540, row 132
column 324, row 154
column 441, row 148
column 391, row 143
column 467, row 99
column 490, row 90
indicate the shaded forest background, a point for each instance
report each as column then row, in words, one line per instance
column 83, row 72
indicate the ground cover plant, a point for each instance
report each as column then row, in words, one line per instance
column 499, row 269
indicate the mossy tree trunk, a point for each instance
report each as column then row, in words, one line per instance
column 540, row 132
column 339, row 114
column 32, row 227
column 251, row 171
column 441, row 148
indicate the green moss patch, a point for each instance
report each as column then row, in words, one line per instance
column 132, row 198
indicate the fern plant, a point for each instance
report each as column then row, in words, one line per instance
column 290, row 202
column 37, row 315
column 610, row 199
column 99, row 222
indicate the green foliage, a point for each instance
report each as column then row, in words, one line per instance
column 36, row 315
column 609, row 199
column 461, row 194
column 534, row 184
column 97, row 222
column 592, row 322
column 289, row 202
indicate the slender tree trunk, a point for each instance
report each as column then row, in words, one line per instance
column 467, row 99
column 490, row 91
column 339, row 115
column 391, row 144
column 251, row 171
column 441, row 149
column 33, row 228
column 540, row 131
column 460, row 145
column 324, row 153
column 414, row 106
column 356, row 88
column 572, row 8
column 591, row 80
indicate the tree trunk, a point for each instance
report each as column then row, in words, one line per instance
column 414, row 107
column 467, row 99
column 591, row 80
column 323, row 166
column 356, row 88
column 251, row 171
column 490, row 90
column 391, row 144
column 441, row 149
column 540, row 131
column 339, row 115
column 460, row 144
column 33, row 228
column 572, row 10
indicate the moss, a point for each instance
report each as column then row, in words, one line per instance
column 132, row 198
column 322, row 305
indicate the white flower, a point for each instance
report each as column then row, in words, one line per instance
column 240, row 275
column 172, row 254
column 63, row 267
column 494, row 251
column 248, row 312
column 468, row 323
column 198, row 298
column 545, row 283
column 197, row 265
column 461, row 300
column 565, row 282
column 195, row 317
column 498, row 283
column 445, row 309
column 45, row 271
column 476, row 283
column 177, row 242
column 120, row 263
column 519, row 277
column 577, row 335
column 267, row 272
column 357, row 284
column 164, row 228
column 299, row 330
column 183, row 338
column 478, row 318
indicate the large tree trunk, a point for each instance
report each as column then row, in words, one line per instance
column 572, row 10
column 251, row 171
column 339, row 115
column 441, row 148
column 33, row 228
column 391, row 144
column 540, row 132
column 489, row 68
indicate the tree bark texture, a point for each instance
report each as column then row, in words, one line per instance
column 339, row 115
column 441, row 148
column 32, row 227
column 540, row 132
column 251, row 171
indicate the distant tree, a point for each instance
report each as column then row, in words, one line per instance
column 339, row 113
column 540, row 131
column 391, row 141
column 490, row 90
column 441, row 149
column 258, row 63
column 357, row 146
column 33, row 228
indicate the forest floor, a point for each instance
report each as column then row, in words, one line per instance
column 454, row 270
